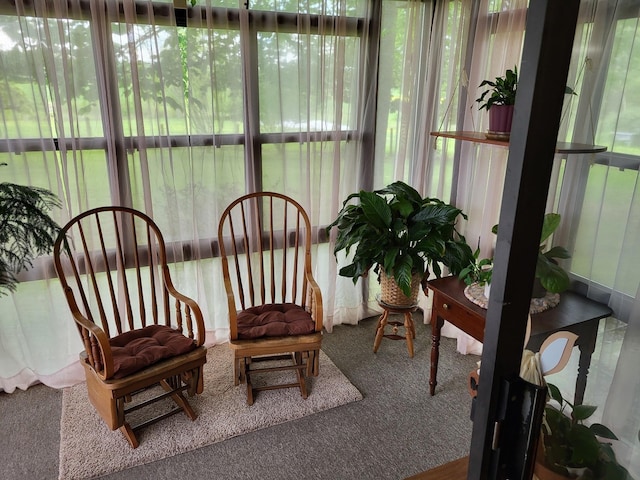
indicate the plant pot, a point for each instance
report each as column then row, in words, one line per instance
column 538, row 290
column 500, row 118
column 391, row 294
column 487, row 290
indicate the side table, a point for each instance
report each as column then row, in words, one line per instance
column 575, row 313
column 409, row 327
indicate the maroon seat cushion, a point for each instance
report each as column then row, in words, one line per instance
column 274, row 320
column 137, row 349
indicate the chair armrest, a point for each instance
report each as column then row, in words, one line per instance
column 315, row 296
column 94, row 338
column 193, row 307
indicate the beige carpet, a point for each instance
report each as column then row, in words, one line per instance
column 89, row 449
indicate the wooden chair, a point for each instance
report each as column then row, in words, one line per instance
column 275, row 305
column 138, row 331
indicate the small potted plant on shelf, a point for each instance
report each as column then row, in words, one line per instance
column 26, row 229
column 402, row 236
column 499, row 100
column 549, row 276
column 571, row 449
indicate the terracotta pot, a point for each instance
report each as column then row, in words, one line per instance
column 500, row 118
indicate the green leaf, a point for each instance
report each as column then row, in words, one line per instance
column 555, row 394
column 553, row 277
column 376, row 210
column 404, row 207
column 549, row 225
column 557, row 252
column 437, row 215
column 402, row 272
column 602, row 431
column 586, row 447
column 582, row 412
column 390, row 257
column 401, row 190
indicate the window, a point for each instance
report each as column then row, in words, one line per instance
column 136, row 110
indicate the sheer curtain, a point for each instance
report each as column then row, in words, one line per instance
column 597, row 194
column 489, row 42
column 601, row 198
column 115, row 103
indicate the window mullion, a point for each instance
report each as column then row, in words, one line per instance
column 107, row 85
column 251, row 86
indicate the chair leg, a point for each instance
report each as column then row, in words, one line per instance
column 180, row 401
column 127, row 431
column 236, row 371
column 301, row 377
column 316, row 362
column 249, row 389
column 309, row 356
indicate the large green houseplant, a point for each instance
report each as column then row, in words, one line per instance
column 26, row 229
column 398, row 231
column 572, row 449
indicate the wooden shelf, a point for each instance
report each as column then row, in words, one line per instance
column 479, row 137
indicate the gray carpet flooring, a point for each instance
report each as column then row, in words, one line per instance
column 397, row 430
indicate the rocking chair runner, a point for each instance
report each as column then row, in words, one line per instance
column 275, row 305
column 138, row 331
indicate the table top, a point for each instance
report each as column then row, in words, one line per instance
column 572, row 309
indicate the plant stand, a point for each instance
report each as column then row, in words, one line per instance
column 409, row 327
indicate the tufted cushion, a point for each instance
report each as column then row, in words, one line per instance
column 274, row 320
column 137, row 349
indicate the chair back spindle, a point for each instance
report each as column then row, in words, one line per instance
column 266, row 238
column 124, row 287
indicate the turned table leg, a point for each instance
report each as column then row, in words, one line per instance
column 436, row 326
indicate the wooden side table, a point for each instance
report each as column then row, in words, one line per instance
column 575, row 313
column 409, row 327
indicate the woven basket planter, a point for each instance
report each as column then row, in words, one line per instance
column 391, row 294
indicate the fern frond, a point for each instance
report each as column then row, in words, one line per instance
column 26, row 229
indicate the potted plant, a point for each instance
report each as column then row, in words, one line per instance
column 571, row 449
column 478, row 271
column 499, row 101
column 549, row 276
column 401, row 235
column 26, row 230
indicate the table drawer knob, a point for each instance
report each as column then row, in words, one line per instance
column 445, row 306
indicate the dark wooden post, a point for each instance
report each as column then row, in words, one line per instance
column 543, row 72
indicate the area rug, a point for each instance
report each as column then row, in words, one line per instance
column 89, row 449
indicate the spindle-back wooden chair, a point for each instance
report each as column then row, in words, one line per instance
column 275, row 305
column 137, row 330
